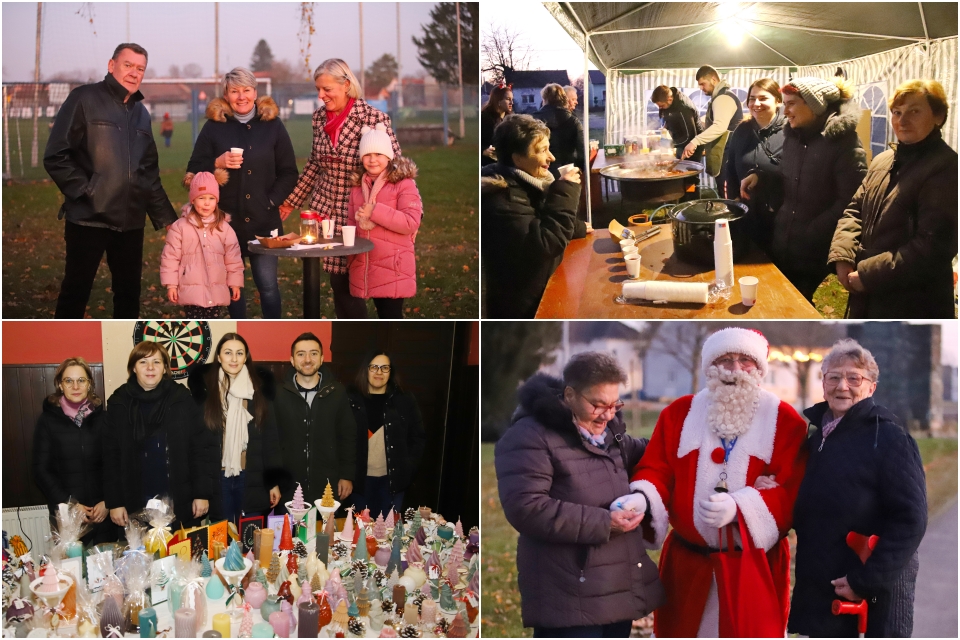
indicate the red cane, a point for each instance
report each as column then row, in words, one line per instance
column 863, row 546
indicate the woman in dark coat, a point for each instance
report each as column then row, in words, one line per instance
column 864, row 475
column 894, row 246
column 566, row 132
column 822, row 166
column 328, row 175
column 68, row 448
column 531, row 215
column 154, row 443
column 499, row 106
column 390, row 436
column 757, row 145
column 260, row 178
column 236, row 400
column 583, row 570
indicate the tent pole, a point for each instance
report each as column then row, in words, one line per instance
column 586, row 123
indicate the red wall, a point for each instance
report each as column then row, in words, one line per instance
column 51, row 342
column 270, row 340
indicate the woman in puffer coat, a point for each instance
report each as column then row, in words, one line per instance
column 822, row 165
column 895, row 243
column 583, row 570
column 200, row 264
column 385, row 206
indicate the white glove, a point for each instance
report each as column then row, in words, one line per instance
column 631, row 502
column 718, row 510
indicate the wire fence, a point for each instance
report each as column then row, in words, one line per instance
column 427, row 113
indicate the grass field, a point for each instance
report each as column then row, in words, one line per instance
column 501, row 600
column 447, row 245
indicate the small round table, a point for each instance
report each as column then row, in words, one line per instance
column 311, row 266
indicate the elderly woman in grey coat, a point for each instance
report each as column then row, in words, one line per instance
column 583, row 571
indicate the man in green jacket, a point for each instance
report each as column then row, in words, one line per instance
column 317, row 429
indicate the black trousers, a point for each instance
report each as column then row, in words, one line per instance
column 85, row 249
column 613, row 630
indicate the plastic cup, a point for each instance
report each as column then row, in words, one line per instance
column 748, row 290
column 565, row 169
column 349, row 235
column 627, row 242
column 236, row 150
column 630, row 251
column 327, row 226
column 633, row 265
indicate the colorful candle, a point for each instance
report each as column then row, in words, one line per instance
column 280, row 621
column 210, row 633
column 185, row 623
column 323, row 547
column 309, row 622
column 266, row 547
column 221, row 623
column 262, row 630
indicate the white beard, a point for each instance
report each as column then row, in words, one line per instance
column 732, row 406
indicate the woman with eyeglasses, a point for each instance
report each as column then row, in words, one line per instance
column 390, row 436
column 326, row 180
column 68, row 449
column 864, row 475
column 583, row 570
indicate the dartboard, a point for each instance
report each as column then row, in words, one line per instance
column 188, row 343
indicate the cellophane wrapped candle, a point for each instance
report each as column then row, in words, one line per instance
column 159, row 513
column 193, row 595
column 70, row 528
column 134, row 569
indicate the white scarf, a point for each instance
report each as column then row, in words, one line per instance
column 732, row 406
column 235, row 434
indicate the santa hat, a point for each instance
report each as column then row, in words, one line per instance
column 376, row 140
column 748, row 342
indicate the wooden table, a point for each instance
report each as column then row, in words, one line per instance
column 590, row 276
column 311, row 265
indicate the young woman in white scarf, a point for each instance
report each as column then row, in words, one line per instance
column 236, row 398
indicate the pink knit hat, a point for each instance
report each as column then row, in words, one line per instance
column 204, row 183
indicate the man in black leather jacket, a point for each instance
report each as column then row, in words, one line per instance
column 102, row 156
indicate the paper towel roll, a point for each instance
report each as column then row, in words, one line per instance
column 723, row 252
column 669, row 291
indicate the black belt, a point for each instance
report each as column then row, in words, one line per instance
column 696, row 548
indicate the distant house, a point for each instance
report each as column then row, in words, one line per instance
column 614, row 338
column 598, row 89
column 527, row 86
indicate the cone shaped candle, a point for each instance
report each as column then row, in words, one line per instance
column 458, row 628
column 358, row 527
column 446, row 598
column 390, row 520
column 347, row 533
column 111, row 619
column 458, row 529
column 274, row 571
column 421, row 536
column 413, row 553
column 326, row 614
column 286, row 538
column 362, row 553
column 234, row 559
column 394, row 562
column 380, row 528
column 340, row 615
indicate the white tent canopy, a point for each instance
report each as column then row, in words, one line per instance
column 878, row 45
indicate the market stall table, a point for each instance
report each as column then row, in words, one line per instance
column 311, row 264
column 589, row 279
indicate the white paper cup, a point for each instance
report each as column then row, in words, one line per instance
column 748, row 290
column 349, row 235
column 630, row 251
column 633, row 265
column 565, row 169
column 236, row 150
column 327, row 226
column 627, row 242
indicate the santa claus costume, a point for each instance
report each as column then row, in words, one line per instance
column 683, row 464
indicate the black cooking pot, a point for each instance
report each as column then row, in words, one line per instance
column 693, row 224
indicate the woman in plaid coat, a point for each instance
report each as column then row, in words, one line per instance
column 326, row 179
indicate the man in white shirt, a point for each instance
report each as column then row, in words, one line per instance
column 724, row 113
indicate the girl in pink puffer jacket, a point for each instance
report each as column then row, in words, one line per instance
column 385, row 206
column 201, row 264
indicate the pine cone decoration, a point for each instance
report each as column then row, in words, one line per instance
column 418, row 601
column 386, row 605
column 380, row 578
column 356, row 627
column 408, row 514
column 300, row 549
column 442, row 627
column 360, row 567
column 339, row 550
column 409, row 631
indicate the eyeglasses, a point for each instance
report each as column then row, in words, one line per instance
column 383, row 368
column 727, row 362
column 70, row 382
column 854, row 380
column 600, row 409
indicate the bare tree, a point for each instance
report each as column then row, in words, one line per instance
column 192, row 70
column 683, row 341
column 502, row 51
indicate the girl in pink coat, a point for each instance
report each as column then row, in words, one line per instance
column 201, row 264
column 385, row 205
